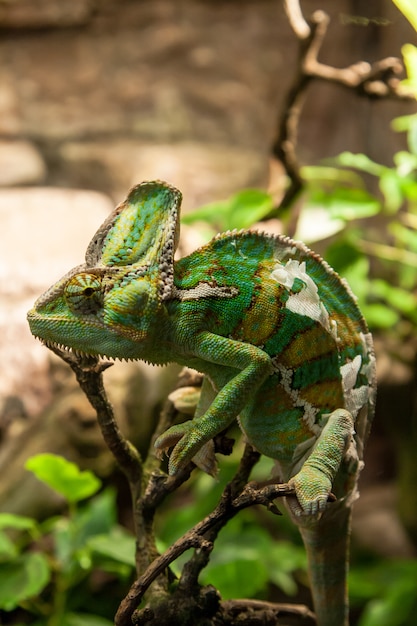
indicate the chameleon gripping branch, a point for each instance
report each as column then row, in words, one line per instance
column 278, row 336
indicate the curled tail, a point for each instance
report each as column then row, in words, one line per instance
column 327, row 545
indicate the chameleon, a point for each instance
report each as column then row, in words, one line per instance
column 278, row 336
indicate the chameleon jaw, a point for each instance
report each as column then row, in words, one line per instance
column 81, row 354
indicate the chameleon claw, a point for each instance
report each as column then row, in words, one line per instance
column 183, row 452
column 168, row 439
column 187, row 445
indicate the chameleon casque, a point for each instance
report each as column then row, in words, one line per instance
column 277, row 334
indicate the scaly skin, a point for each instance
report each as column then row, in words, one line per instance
column 278, row 335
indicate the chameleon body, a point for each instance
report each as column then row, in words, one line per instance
column 278, row 335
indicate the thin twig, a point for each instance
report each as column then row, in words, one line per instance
column 376, row 80
column 88, row 371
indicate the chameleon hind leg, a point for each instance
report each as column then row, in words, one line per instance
column 325, row 528
column 314, row 481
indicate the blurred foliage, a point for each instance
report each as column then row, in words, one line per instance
column 240, row 211
column 371, row 237
column 390, row 589
column 49, row 570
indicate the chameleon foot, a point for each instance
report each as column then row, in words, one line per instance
column 312, row 489
column 188, row 446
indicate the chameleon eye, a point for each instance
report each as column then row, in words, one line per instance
column 83, row 293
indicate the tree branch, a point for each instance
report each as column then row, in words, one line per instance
column 88, row 372
column 236, row 496
column 376, row 80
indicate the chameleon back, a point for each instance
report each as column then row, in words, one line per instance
column 295, row 307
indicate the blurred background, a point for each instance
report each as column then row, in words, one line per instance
column 97, row 95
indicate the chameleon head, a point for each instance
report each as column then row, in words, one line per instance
column 113, row 304
column 96, row 312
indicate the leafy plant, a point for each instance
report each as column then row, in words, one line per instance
column 390, row 588
column 45, row 565
column 378, row 259
column 239, row 211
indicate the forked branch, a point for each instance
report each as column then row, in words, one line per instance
column 372, row 80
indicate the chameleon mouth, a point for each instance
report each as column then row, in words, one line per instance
column 81, row 354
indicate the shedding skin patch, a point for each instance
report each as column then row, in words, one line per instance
column 368, row 369
column 355, row 398
column 310, row 411
column 204, row 290
column 304, row 301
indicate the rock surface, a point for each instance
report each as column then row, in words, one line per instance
column 20, row 163
column 44, row 233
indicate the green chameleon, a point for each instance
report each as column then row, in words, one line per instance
column 278, row 335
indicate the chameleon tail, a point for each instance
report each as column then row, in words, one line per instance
column 327, row 546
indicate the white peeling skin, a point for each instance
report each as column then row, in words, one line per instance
column 307, row 301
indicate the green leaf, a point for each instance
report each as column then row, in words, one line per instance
column 17, row 522
column 344, row 253
column 405, row 237
column 8, row 550
column 249, row 206
column 354, row 269
column 380, row 315
column 412, row 134
column 98, row 516
column 409, row 53
column 403, row 122
column 391, row 186
column 314, row 174
column 71, row 554
column 397, row 604
column 407, row 123
column 402, row 300
column 283, row 559
column 119, row 545
column 72, row 536
column 360, row 162
column 238, row 578
column 246, row 558
column 22, row 579
column 326, row 213
column 409, row 9
column 63, row 476
column 240, row 211
column 406, row 162
column 352, row 204
column 409, row 189
column 211, row 213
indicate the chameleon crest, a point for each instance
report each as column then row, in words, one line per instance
column 277, row 334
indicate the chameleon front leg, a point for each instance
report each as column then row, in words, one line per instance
column 220, row 357
column 313, row 483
